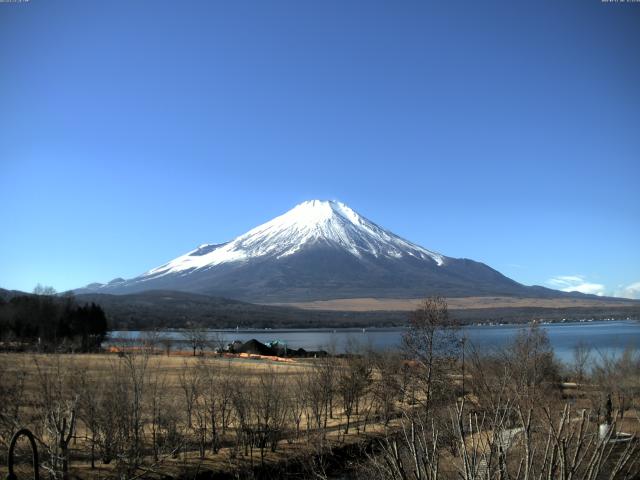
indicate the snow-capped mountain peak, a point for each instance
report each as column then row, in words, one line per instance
column 330, row 223
column 318, row 250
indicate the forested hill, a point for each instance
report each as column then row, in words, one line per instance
column 50, row 322
column 162, row 309
column 157, row 309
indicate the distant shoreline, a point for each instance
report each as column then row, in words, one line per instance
column 262, row 331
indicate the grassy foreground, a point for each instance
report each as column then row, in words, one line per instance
column 513, row 414
column 168, row 415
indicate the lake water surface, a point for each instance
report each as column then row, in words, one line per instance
column 610, row 337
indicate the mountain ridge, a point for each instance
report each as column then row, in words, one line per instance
column 321, row 250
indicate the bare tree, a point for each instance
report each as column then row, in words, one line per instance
column 325, row 376
column 491, row 380
column 217, row 381
column 414, row 453
column 565, row 446
column 150, row 340
column 130, row 383
column 156, row 408
column 297, row 402
column 432, row 342
column 313, row 400
column 581, row 359
column 354, row 378
column 201, row 409
column 516, row 428
column 44, row 290
column 387, row 385
column 319, row 391
column 243, row 416
column 619, row 376
column 167, row 343
column 226, row 378
column 533, row 367
column 89, row 393
column 217, row 342
column 110, row 424
column 270, row 410
column 58, row 410
column 197, row 337
column 189, row 380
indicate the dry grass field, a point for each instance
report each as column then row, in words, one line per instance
column 150, row 415
column 181, row 385
column 463, row 303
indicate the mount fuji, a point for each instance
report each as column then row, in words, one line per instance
column 321, row 250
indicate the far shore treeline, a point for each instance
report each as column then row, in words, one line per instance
column 49, row 322
column 165, row 309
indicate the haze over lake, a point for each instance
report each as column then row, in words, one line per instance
column 610, row 337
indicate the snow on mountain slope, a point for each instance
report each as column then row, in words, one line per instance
column 316, row 251
column 333, row 223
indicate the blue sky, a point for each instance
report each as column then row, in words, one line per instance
column 507, row 132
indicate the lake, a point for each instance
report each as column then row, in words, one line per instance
column 610, row 337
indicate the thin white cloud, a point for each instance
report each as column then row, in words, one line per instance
column 630, row 291
column 576, row 283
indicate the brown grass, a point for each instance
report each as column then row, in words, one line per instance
column 460, row 303
column 170, row 368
